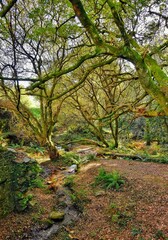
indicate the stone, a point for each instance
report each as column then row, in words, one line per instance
column 73, row 168
column 46, row 223
column 26, row 159
column 12, row 150
column 56, row 215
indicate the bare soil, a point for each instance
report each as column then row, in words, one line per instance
column 139, row 210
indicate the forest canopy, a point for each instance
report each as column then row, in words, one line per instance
column 109, row 56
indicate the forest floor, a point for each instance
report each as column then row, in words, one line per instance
column 137, row 211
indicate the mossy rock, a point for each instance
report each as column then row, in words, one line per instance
column 17, row 175
column 56, row 215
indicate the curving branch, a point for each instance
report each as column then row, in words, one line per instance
column 7, row 8
column 75, row 86
column 59, row 73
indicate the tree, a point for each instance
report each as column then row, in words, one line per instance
column 116, row 30
column 107, row 94
column 151, row 76
column 55, row 46
column 26, row 41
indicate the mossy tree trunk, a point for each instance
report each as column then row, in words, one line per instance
column 52, row 150
column 147, row 132
column 115, row 132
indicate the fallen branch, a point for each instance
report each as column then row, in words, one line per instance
column 84, row 140
column 138, row 157
column 134, row 157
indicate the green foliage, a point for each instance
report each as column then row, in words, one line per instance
column 37, row 183
column 76, row 133
column 70, row 158
column 36, row 112
column 69, row 181
column 22, row 201
column 112, row 146
column 91, row 156
column 136, row 231
column 119, row 215
column 111, row 180
column 121, row 218
column 36, row 149
column 160, row 235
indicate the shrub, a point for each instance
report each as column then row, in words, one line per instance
column 37, row 183
column 71, row 158
column 111, row 180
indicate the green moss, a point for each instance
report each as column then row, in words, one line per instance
column 15, row 180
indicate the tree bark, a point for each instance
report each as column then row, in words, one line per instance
column 53, row 152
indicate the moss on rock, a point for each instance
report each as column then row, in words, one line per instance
column 16, row 176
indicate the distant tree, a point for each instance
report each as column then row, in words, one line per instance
column 107, row 94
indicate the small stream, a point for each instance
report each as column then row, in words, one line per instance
column 72, row 214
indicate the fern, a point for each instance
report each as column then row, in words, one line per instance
column 111, row 180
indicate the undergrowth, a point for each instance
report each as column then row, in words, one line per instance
column 111, row 180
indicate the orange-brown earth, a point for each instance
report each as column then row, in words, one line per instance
column 139, row 210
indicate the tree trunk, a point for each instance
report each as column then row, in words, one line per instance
column 53, row 152
column 114, row 131
column 100, row 137
column 147, row 133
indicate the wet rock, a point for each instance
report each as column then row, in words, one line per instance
column 56, row 215
column 47, row 234
column 47, row 223
column 12, row 150
column 72, row 215
column 61, row 192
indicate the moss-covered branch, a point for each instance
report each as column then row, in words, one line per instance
column 7, row 8
column 86, row 22
column 57, row 73
column 115, row 8
column 89, row 70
